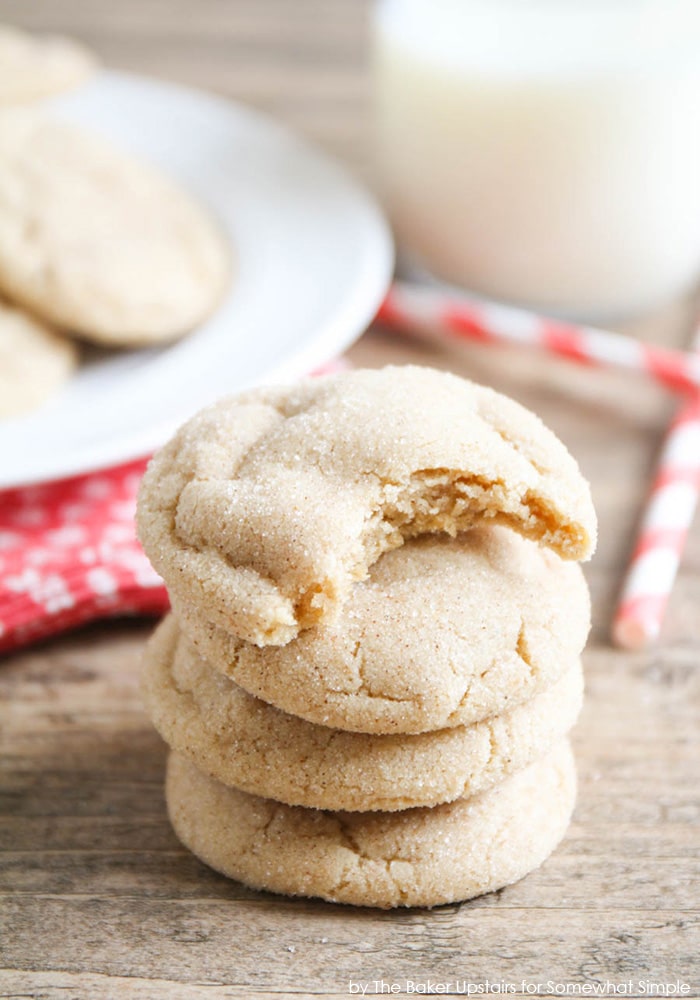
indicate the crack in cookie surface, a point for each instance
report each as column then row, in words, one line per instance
column 244, row 742
column 420, row 857
column 266, row 509
column 444, row 632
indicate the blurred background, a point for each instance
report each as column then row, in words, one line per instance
column 309, row 65
column 303, row 62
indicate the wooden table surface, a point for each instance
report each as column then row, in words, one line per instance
column 98, row 899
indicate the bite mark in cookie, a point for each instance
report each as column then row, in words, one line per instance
column 265, row 509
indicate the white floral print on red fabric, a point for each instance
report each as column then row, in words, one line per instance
column 69, row 555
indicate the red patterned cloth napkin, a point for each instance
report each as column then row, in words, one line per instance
column 69, row 555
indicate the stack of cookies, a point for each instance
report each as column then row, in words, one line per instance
column 374, row 653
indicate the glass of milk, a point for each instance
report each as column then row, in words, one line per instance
column 545, row 152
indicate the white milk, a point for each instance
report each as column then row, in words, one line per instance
column 544, row 151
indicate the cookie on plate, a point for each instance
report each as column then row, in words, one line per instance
column 247, row 743
column 34, row 361
column 36, row 66
column 264, row 509
column 418, row 857
column 444, row 632
column 98, row 243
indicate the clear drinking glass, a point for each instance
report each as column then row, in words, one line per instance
column 544, row 151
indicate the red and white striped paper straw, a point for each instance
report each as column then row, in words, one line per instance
column 665, row 523
column 439, row 314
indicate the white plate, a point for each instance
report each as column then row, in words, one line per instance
column 313, row 260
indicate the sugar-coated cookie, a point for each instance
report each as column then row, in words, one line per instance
column 418, row 857
column 244, row 742
column 96, row 242
column 264, row 509
column 34, row 361
column 444, row 632
column 35, row 66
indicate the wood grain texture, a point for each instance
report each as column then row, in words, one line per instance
column 97, row 898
